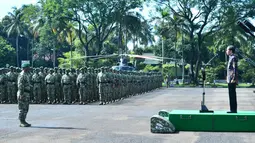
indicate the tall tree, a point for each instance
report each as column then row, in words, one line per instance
column 15, row 25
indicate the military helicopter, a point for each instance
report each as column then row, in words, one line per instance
column 123, row 65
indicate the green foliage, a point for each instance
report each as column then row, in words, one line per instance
column 149, row 68
column 77, row 60
column 7, row 53
column 246, row 71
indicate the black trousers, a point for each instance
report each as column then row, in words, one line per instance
column 232, row 96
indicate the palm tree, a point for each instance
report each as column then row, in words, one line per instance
column 134, row 26
column 15, row 26
column 68, row 33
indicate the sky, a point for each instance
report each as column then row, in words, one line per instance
column 6, row 5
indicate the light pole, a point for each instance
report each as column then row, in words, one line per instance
column 182, row 61
column 54, row 57
column 162, row 55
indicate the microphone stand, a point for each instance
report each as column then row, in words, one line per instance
column 204, row 108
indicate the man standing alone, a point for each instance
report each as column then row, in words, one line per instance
column 23, row 94
column 232, row 80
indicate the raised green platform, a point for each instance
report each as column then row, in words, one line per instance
column 243, row 121
column 193, row 120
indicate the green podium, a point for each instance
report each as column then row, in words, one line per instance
column 217, row 121
column 191, row 120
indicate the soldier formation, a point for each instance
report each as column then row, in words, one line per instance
column 84, row 85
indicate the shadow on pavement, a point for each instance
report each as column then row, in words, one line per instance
column 63, row 128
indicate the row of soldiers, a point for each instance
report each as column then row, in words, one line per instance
column 84, row 85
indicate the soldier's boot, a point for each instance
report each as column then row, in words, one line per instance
column 53, row 102
column 23, row 123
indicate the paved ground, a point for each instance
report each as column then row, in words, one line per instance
column 127, row 121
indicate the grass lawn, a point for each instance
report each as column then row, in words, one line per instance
column 219, row 85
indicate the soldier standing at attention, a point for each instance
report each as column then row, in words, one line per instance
column 23, row 94
column 61, row 95
column 81, row 84
column 66, row 82
column 50, row 86
column 57, row 77
column 43, row 75
column 232, row 78
column 37, row 87
column 11, row 85
column 73, row 89
column 2, row 86
column 102, row 85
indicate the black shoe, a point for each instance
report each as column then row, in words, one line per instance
column 232, row 112
column 24, row 124
column 29, row 125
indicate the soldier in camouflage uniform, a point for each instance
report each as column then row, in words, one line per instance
column 74, row 89
column 94, row 76
column 66, row 82
column 102, row 85
column 2, row 86
column 77, row 72
column 90, row 84
column 57, row 77
column 50, row 86
column 44, row 92
column 24, row 89
column 81, row 84
column 87, row 87
column 11, row 85
column 96, row 85
column 30, row 73
column 61, row 97
column 37, row 87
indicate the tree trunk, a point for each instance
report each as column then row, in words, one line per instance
column 192, row 55
column 28, row 49
column 86, row 50
column 17, row 50
column 175, row 45
column 199, row 43
column 32, row 53
column 71, row 53
column 100, row 46
column 120, row 39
